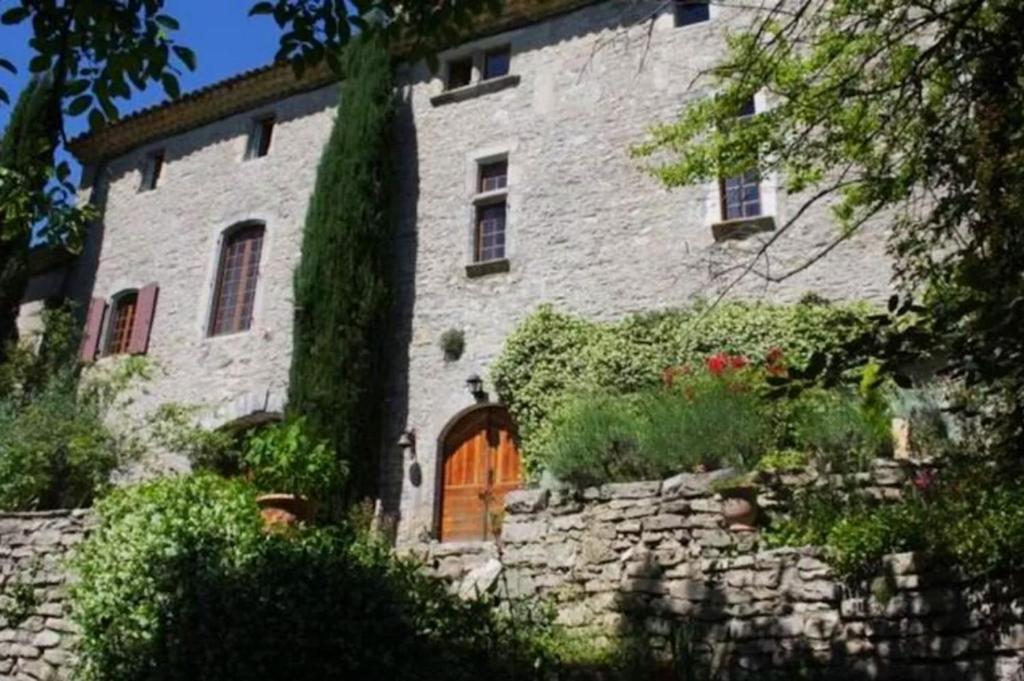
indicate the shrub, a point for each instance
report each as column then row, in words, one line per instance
column 57, row 446
column 552, row 356
column 284, row 457
column 837, row 428
column 179, row 582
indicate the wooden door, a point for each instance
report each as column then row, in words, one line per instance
column 481, row 465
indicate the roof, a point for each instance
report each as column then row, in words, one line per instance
column 249, row 89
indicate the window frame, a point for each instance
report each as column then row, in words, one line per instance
column 505, row 50
column 261, row 135
column 244, row 294
column 486, row 201
column 464, row 61
column 115, row 342
column 678, row 9
column 153, row 170
column 743, row 183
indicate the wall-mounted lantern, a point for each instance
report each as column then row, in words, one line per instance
column 407, row 442
column 475, row 385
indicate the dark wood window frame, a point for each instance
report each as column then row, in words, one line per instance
column 490, row 218
column 123, row 312
column 237, row 279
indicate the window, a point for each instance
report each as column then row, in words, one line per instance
column 235, row 293
column 259, row 137
column 689, row 12
column 493, row 176
column 490, row 232
column 151, row 172
column 491, row 208
column 122, row 323
column 741, row 196
column 460, row 72
column 496, row 62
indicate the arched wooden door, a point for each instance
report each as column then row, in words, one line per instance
column 481, row 465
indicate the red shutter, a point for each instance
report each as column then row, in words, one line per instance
column 93, row 329
column 146, row 305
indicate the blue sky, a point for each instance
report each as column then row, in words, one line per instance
column 226, row 41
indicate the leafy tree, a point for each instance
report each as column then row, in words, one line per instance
column 340, row 288
column 26, row 148
column 906, row 116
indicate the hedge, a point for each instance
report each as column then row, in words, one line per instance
column 552, row 355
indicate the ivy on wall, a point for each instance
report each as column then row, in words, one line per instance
column 553, row 355
column 340, row 284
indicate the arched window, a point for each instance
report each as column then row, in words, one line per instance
column 235, row 292
column 122, row 323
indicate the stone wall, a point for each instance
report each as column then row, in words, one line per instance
column 36, row 638
column 656, row 558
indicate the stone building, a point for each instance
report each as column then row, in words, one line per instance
column 516, row 188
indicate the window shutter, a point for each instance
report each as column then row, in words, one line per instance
column 146, row 305
column 93, row 328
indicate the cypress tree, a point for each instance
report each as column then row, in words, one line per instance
column 27, row 148
column 340, row 284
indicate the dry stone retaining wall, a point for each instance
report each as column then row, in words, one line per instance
column 656, row 558
column 36, row 638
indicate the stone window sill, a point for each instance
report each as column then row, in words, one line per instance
column 742, row 228
column 484, row 87
column 482, row 269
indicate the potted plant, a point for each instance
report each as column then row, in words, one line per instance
column 292, row 470
column 739, row 501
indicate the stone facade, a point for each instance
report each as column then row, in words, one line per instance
column 588, row 230
column 36, row 638
column 652, row 558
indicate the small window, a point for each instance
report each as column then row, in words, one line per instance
column 259, row 137
column 122, row 322
column 689, row 12
column 493, row 176
column 460, row 72
column 151, row 172
column 235, row 294
column 490, row 232
column 496, row 62
column 741, row 196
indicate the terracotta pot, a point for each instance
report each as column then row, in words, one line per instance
column 739, row 508
column 285, row 510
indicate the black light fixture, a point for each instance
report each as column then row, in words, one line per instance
column 407, row 442
column 475, row 384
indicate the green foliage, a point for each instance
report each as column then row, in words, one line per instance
column 552, row 356
column 174, row 428
column 840, row 428
column 18, row 600
column 453, row 344
column 341, row 282
column 180, row 582
column 26, row 148
column 283, row 457
column 57, row 449
column 968, row 514
column 783, row 460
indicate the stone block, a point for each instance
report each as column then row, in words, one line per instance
column 526, row 501
column 688, row 485
column 521, row 533
column 663, row 522
column 631, row 490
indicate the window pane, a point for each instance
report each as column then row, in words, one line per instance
column 236, row 282
column 496, row 63
column 151, row 172
column 490, row 233
column 493, row 176
column 460, row 73
column 691, row 12
column 259, row 137
column 121, row 323
column 741, row 196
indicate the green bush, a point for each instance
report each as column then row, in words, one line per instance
column 179, row 582
column 837, row 428
column 57, row 446
column 552, row 356
column 284, row 457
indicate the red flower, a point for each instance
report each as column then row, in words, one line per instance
column 924, row 478
column 774, row 356
column 718, row 363
column 738, row 361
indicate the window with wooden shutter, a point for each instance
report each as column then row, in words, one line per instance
column 145, row 307
column 235, row 293
column 122, row 321
column 90, row 345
